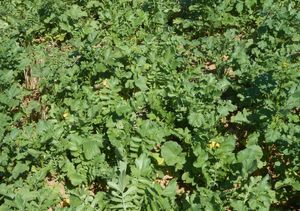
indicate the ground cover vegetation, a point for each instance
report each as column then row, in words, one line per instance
column 149, row 104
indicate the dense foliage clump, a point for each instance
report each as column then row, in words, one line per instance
column 149, row 105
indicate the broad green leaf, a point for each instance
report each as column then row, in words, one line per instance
column 202, row 157
column 227, row 146
column 75, row 142
column 76, row 178
column 90, row 149
column 141, row 83
column 19, row 169
column 239, row 7
column 196, row 119
column 238, row 205
column 250, row 157
column 294, row 100
column 172, row 154
column 250, row 3
column 170, row 190
column 75, row 12
column 3, row 24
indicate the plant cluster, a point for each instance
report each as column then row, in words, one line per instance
column 149, row 105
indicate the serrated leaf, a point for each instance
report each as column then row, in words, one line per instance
column 226, row 109
column 241, row 117
column 115, row 186
column 288, row 182
column 142, row 164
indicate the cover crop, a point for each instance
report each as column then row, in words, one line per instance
column 149, row 105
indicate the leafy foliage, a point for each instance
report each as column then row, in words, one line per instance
column 149, row 105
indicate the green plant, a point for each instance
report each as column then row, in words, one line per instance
column 149, row 105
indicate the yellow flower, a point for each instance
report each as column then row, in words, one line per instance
column 105, row 83
column 66, row 114
column 285, row 64
column 213, row 145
